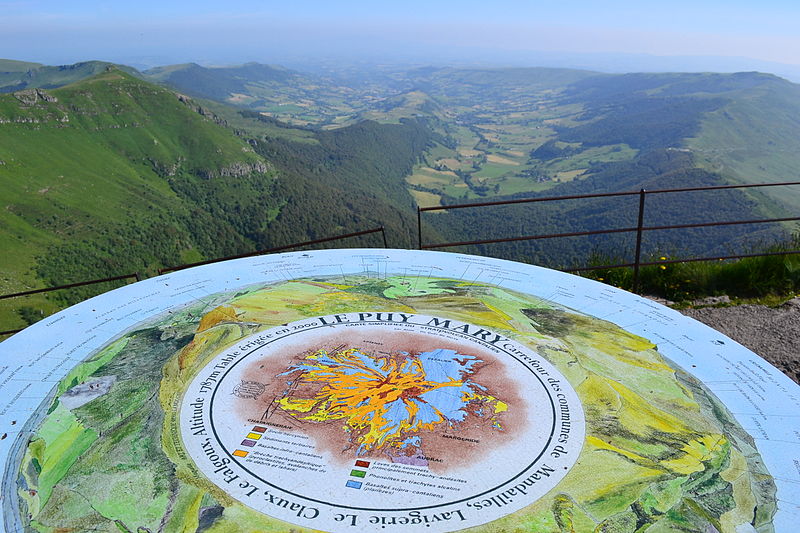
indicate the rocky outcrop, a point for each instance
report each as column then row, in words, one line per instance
column 182, row 98
column 238, row 169
column 166, row 169
column 31, row 97
column 235, row 170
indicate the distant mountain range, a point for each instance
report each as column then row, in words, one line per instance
column 107, row 170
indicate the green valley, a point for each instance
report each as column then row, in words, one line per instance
column 107, row 170
column 112, row 175
column 509, row 131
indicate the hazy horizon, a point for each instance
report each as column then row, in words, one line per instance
column 617, row 36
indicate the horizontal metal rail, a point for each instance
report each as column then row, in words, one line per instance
column 181, row 267
column 527, row 238
column 278, row 249
column 136, row 276
column 639, row 229
column 606, row 231
column 675, row 261
column 528, row 200
column 604, row 195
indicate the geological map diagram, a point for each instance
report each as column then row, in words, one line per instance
column 385, row 390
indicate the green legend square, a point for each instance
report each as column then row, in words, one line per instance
column 358, row 473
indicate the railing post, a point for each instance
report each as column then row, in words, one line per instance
column 638, row 254
column 419, row 228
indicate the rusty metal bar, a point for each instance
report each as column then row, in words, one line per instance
column 726, row 223
column 383, row 233
column 528, row 238
column 686, row 260
column 70, row 286
column 272, row 250
column 9, row 332
column 528, row 200
column 638, row 252
column 419, row 228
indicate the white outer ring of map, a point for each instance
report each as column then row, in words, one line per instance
column 541, row 474
column 41, row 355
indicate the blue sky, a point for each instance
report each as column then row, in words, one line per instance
column 270, row 31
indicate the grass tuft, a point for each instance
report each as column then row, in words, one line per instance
column 768, row 278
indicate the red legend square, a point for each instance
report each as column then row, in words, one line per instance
column 362, row 464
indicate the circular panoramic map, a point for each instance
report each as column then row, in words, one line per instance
column 375, row 390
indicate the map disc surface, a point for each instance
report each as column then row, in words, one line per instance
column 375, row 390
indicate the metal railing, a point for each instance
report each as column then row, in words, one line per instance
column 135, row 276
column 639, row 229
column 279, row 249
column 138, row 277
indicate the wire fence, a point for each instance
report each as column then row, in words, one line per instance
column 639, row 229
column 138, row 277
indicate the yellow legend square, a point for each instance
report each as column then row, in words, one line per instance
column 253, row 436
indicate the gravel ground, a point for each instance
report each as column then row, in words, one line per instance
column 772, row 333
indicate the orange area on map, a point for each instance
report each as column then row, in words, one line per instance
column 362, row 396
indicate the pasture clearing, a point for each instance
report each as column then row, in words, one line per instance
column 426, row 199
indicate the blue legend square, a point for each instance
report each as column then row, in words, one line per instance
column 354, row 484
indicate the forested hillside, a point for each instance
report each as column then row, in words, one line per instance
column 654, row 170
column 88, row 174
column 113, row 175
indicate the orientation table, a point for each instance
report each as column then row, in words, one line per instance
column 390, row 390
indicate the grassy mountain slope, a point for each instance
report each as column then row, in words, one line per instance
column 91, row 163
column 745, row 127
column 16, row 75
column 755, row 138
column 112, row 175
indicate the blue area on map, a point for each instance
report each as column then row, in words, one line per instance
column 449, row 401
column 427, row 414
column 442, row 365
column 411, row 441
column 397, row 412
